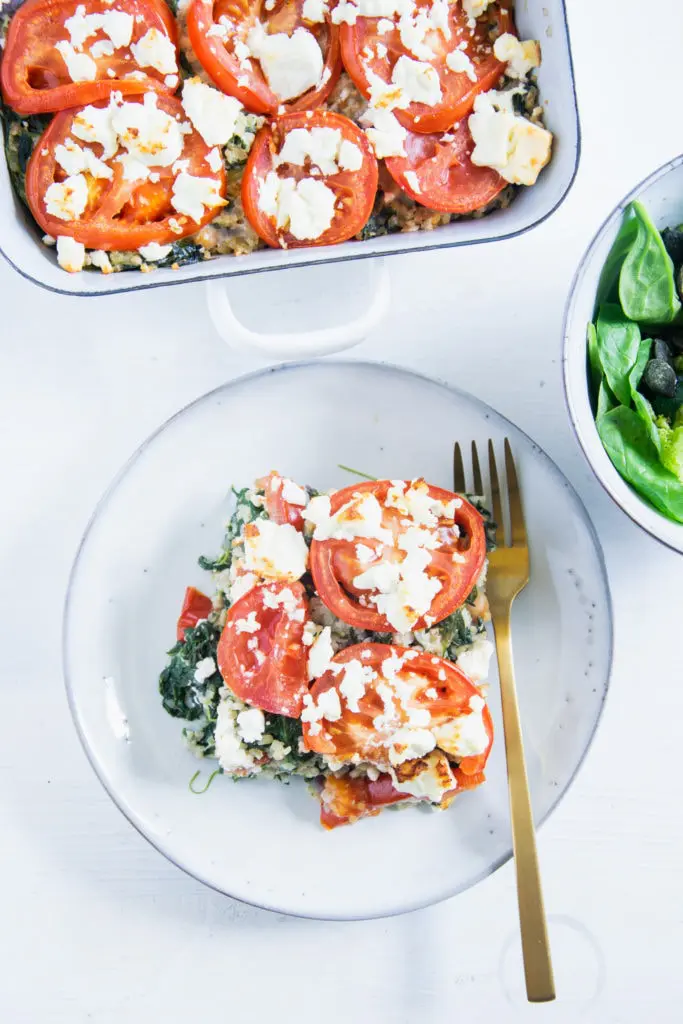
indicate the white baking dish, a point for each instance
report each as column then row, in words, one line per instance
column 537, row 19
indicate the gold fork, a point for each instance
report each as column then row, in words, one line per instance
column 508, row 575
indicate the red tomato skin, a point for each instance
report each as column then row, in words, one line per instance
column 356, row 190
column 99, row 229
column 278, row 508
column 255, row 94
column 33, row 21
column 279, row 682
column 339, row 601
column 196, row 607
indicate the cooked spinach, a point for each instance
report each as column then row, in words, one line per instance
column 21, row 136
column 181, row 695
column 183, row 253
column 245, row 512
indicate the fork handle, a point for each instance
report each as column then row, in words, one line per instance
column 538, row 970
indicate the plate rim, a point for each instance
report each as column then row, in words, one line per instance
column 128, row 813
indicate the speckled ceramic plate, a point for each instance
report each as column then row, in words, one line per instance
column 260, row 841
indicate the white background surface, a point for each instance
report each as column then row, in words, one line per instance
column 94, row 925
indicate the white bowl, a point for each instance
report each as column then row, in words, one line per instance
column 662, row 195
column 258, row 840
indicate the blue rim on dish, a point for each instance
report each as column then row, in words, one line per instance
column 226, row 388
column 612, row 218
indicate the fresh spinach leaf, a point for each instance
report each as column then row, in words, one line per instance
column 629, row 446
column 606, row 400
column 642, row 405
column 594, row 359
column 647, row 289
column 608, row 287
column 618, row 345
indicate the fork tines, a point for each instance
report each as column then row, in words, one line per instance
column 511, row 487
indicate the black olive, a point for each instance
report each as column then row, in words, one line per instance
column 673, row 243
column 661, row 350
column 669, row 406
column 660, row 378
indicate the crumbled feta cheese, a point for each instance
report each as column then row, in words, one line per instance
column 101, row 260
column 463, row 736
column 102, row 48
column 67, row 199
column 412, row 180
column 385, row 132
column 515, row 147
column 520, row 57
column 74, row 159
column 250, row 624
column 251, row 725
column 214, row 160
column 291, row 64
column 428, row 778
column 94, row 124
column 354, row 680
column 192, row 194
column 475, row 8
column 305, row 208
column 80, row 66
column 153, row 251
column 148, row 133
column 314, row 10
column 204, row 668
column 431, row 693
column 364, row 554
column 418, row 718
column 293, row 494
column 155, row 50
column 359, row 517
column 407, row 744
column 327, row 706
column 418, row 81
column 458, row 61
column 417, row 26
column 474, row 661
column 275, row 550
column 70, row 254
column 230, row 751
column 212, row 113
column 320, row 654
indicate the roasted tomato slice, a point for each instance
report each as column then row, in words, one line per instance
column 268, row 55
column 261, row 655
column 310, row 179
column 461, row 59
column 285, row 500
column 438, row 173
column 196, row 607
column 376, row 701
column 345, row 800
column 96, row 176
column 66, row 53
column 395, row 555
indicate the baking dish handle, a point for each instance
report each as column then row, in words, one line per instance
column 317, row 342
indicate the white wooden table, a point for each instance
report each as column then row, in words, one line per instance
column 96, row 926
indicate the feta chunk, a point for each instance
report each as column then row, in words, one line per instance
column 515, row 147
column 80, row 66
column 153, row 251
column 314, row 10
column 67, row 199
column 249, row 624
column 305, row 208
column 155, row 50
column 465, row 735
column 98, row 258
column 212, row 113
column 385, row 132
column 327, row 706
column 320, row 654
column 232, row 755
column 475, row 8
column 251, row 725
column 193, row 195
column 94, row 124
column 70, row 254
column 408, row 744
column 275, row 550
column 73, row 159
column 519, row 56
column 291, row 64
column 418, row 81
column 429, row 778
column 148, row 133
column 474, row 661
column 457, row 60
column 204, row 668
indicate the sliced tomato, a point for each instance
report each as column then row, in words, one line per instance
column 437, row 172
column 261, row 655
column 425, row 682
column 472, row 768
column 196, row 607
column 345, row 800
column 279, row 508
column 218, row 29
column 35, row 76
column 369, row 54
column 456, row 562
column 354, row 190
column 121, row 214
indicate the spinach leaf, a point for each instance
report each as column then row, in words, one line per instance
column 629, row 446
column 594, row 360
column 642, row 405
column 606, row 400
column 618, row 344
column 647, row 289
column 608, row 290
